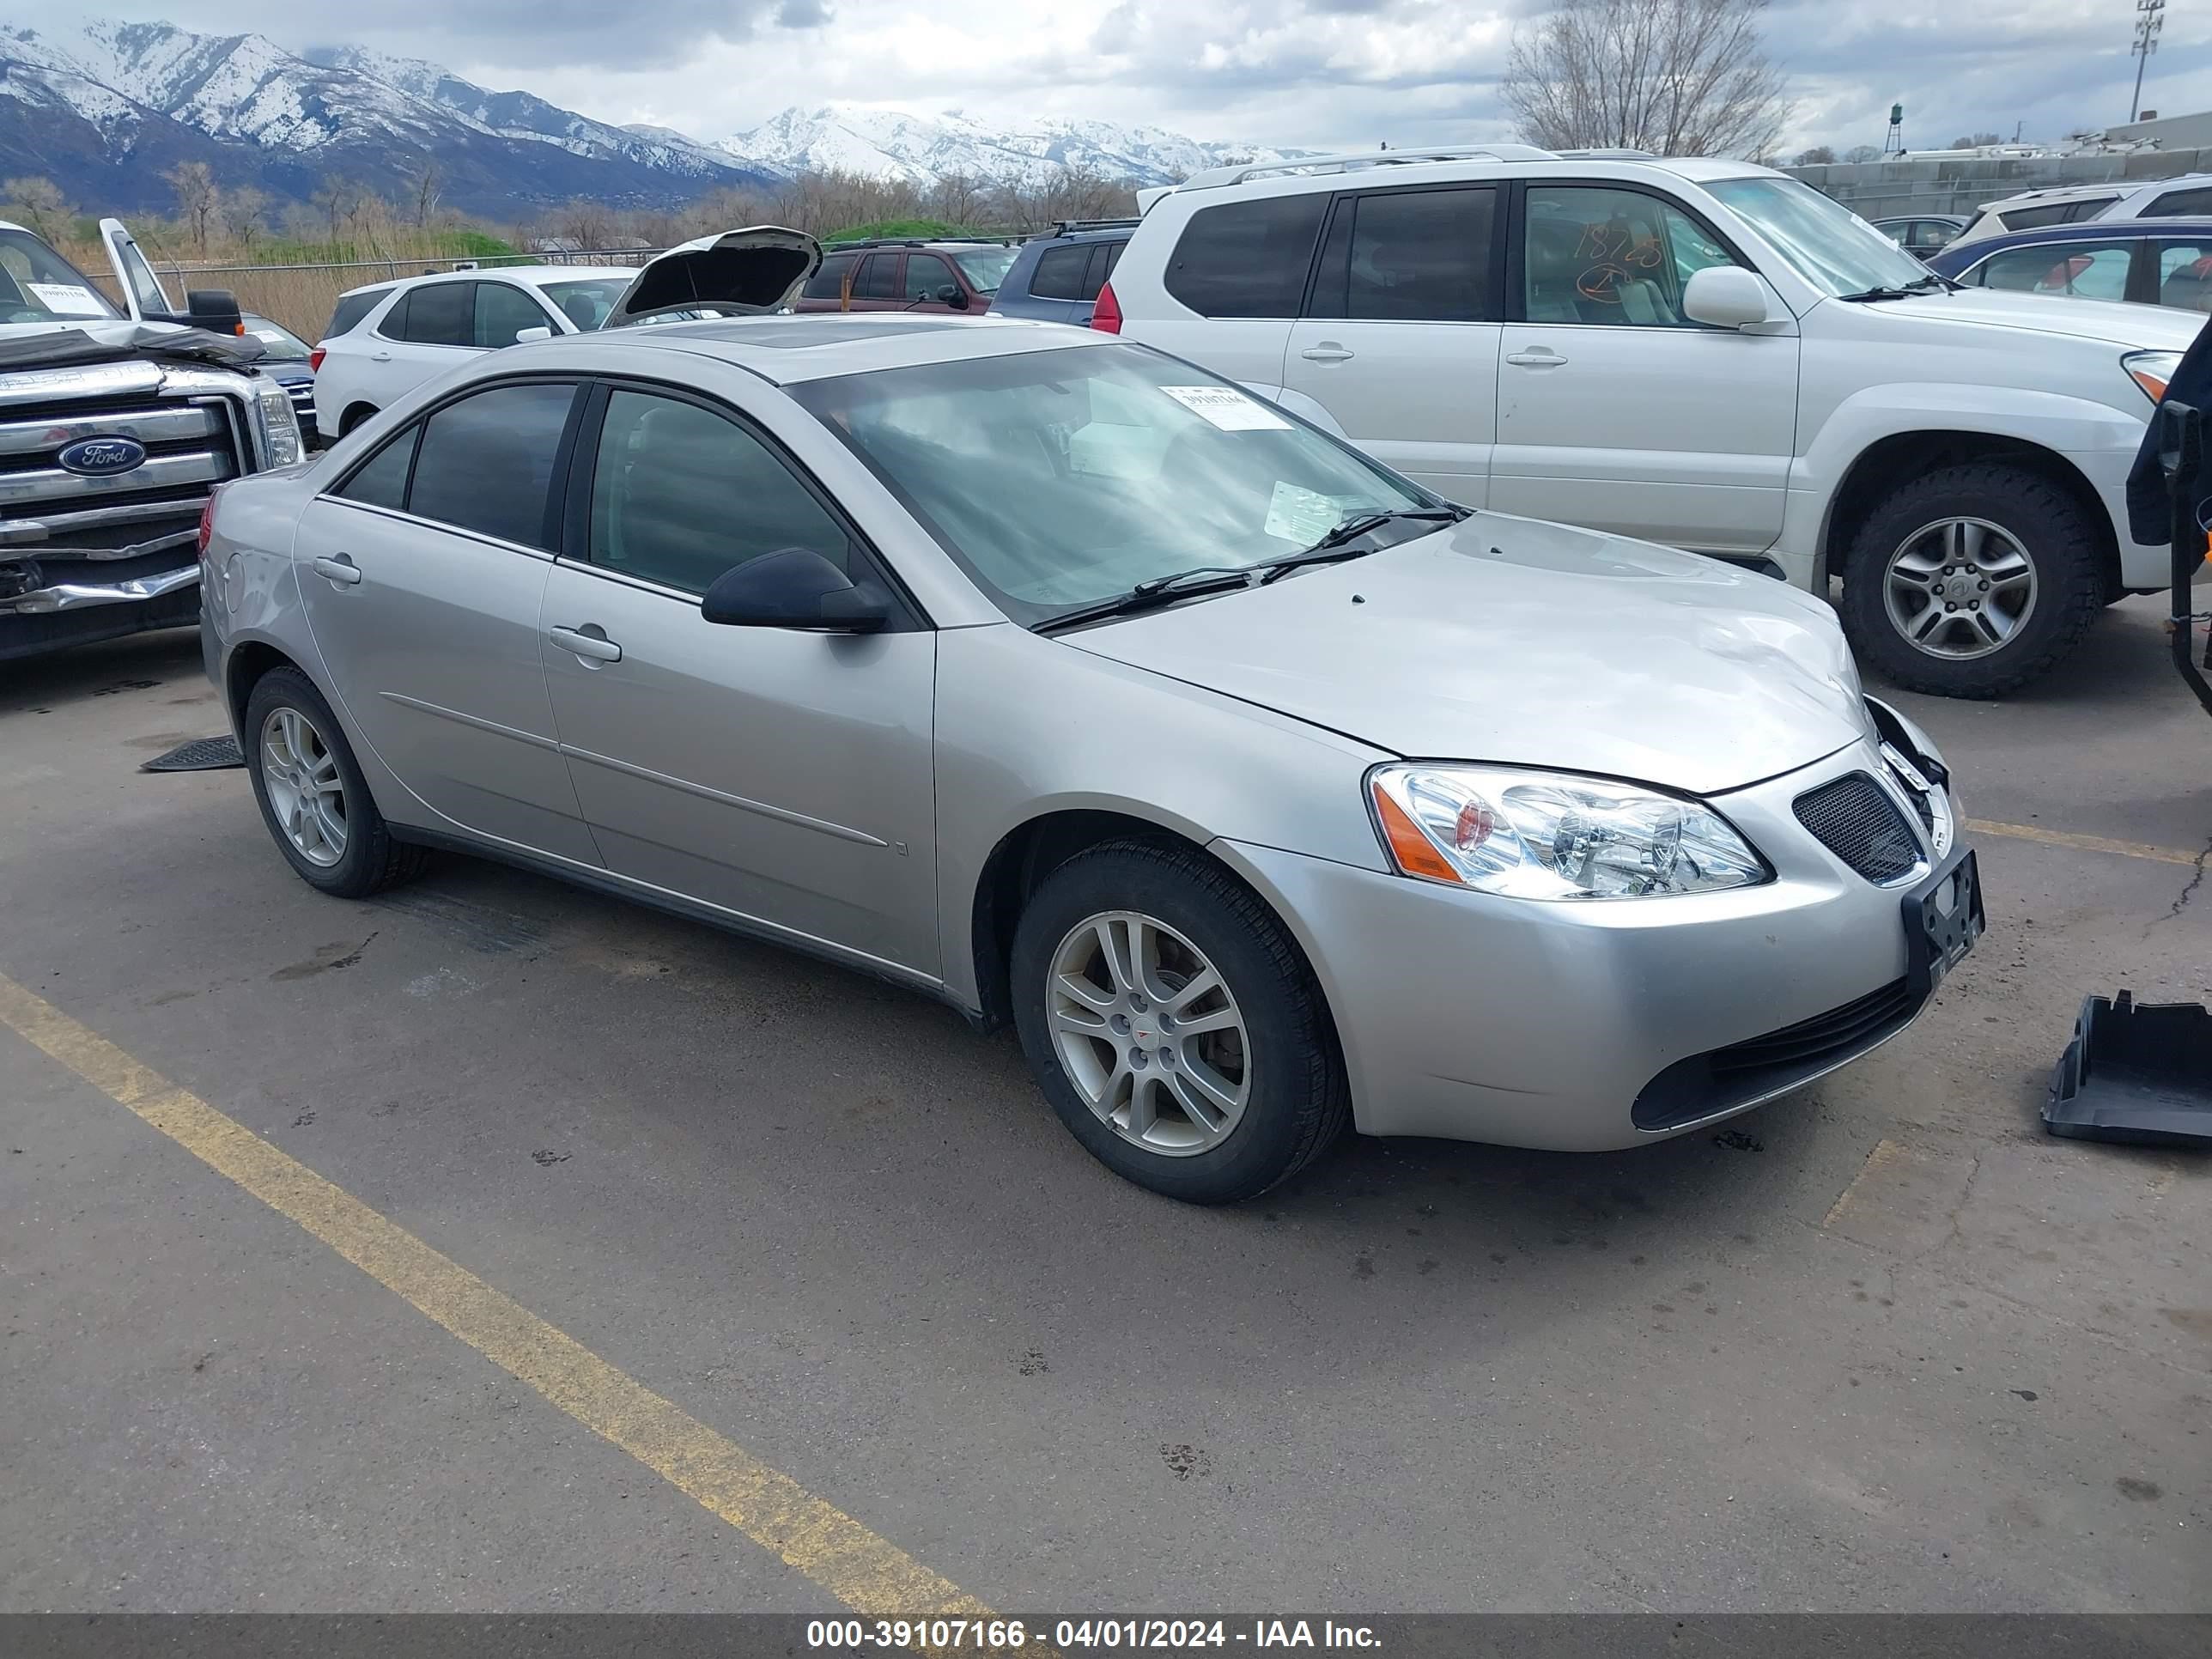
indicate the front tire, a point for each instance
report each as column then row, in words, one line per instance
column 312, row 795
column 1173, row 1026
column 1970, row 580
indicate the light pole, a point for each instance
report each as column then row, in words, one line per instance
column 2150, row 18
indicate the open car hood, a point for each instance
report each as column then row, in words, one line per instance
column 738, row 273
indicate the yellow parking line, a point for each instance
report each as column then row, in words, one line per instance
column 2126, row 849
column 867, row 1572
column 1884, row 1152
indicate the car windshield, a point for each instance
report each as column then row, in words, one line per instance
column 986, row 267
column 1058, row 479
column 276, row 340
column 1829, row 246
column 586, row 301
column 37, row 285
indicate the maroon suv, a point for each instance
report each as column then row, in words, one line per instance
column 953, row 278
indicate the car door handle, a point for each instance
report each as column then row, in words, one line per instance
column 589, row 642
column 1328, row 351
column 1535, row 357
column 380, row 357
column 340, row 569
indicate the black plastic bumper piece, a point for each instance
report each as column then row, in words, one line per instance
column 2138, row 1073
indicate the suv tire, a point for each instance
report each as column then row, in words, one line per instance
column 1140, row 1093
column 1956, row 533
column 338, row 844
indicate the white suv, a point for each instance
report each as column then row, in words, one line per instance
column 2189, row 195
column 388, row 338
column 1700, row 352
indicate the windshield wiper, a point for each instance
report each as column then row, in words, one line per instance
column 1352, row 529
column 1919, row 285
column 1156, row 593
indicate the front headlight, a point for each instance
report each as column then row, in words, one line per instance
column 1554, row 834
column 280, row 428
column 2152, row 371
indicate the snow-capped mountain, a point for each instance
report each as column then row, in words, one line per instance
column 105, row 108
column 890, row 143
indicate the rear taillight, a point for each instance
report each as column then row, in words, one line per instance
column 1106, row 316
column 315, row 359
column 207, row 522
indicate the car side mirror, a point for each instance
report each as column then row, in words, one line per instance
column 1727, row 296
column 795, row 587
column 522, row 336
column 215, row 309
column 951, row 294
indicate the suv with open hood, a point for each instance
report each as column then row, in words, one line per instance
column 117, row 424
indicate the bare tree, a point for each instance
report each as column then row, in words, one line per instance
column 1819, row 155
column 1976, row 140
column 242, row 211
column 1862, row 153
column 37, row 202
column 198, row 200
column 426, row 183
column 1679, row 77
column 335, row 198
column 584, row 224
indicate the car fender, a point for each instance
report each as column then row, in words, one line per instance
column 2084, row 430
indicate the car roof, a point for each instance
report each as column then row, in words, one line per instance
column 2112, row 187
column 814, row 346
column 526, row 276
column 1907, row 218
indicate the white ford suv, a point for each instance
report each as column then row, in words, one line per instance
column 1700, row 352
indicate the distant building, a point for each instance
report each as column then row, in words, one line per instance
column 2168, row 131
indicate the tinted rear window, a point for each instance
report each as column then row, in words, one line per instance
column 443, row 313
column 2177, row 203
column 1059, row 272
column 1410, row 256
column 1246, row 258
column 487, row 462
column 351, row 308
column 829, row 282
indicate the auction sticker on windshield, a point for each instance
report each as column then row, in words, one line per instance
column 67, row 300
column 1298, row 514
column 1228, row 407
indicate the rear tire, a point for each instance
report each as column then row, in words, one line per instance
column 354, row 417
column 312, row 795
column 1939, row 554
column 1118, row 951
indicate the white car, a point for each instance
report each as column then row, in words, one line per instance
column 2189, row 195
column 388, row 338
column 1703, row 352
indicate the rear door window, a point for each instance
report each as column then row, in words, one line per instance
column 1248, row 259
column 1060, row 274
column 381, row 481
column 2054, row 213
column 487, row 462
column 878, row 278
column 1410, row 256
column 442, row 314
column 502, row 312
column 2184, row 274
column 350, row 309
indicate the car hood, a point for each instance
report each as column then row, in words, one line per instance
column 737, row 273
column 1510, row 640
column 2148, row 328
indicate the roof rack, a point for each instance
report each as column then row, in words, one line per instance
column 1214, row 177
column 1608, row 155
column 1074, row 227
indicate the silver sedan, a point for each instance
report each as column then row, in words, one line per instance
column 1262, row 790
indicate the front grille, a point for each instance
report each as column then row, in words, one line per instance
column 68, row 521
column 1855, row 818
column 1743, row 1072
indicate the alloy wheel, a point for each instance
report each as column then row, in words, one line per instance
column 307, row 792
column 1148, row 1030
column 1959, row 588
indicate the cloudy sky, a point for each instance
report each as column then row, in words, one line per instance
column 1289, row 72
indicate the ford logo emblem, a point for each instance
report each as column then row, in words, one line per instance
column 98, row 457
